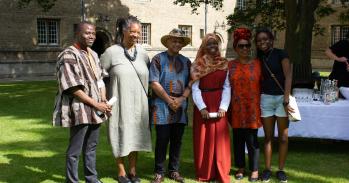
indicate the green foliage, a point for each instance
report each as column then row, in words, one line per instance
column 46, row 5
column 259, row 14
column 271, row 13
column 195, row 4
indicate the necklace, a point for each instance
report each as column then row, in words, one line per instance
column 128, row 56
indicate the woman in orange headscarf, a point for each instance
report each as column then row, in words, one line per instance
column 211, row 95
column 245, row 78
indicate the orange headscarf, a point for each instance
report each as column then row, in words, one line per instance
column 204, row 63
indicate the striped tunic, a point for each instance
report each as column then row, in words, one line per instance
column 73, row 69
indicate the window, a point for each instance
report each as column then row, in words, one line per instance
column 241, row 4
column 187, row 31
column 48, row 31
column 338, row 32
column 145, row 34
column 141, row 1
column 202, row 33
column 339, row 1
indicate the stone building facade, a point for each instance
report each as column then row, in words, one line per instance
column 31, row 39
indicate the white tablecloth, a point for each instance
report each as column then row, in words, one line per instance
column 321, row 121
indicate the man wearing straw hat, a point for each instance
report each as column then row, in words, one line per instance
column 169, row 78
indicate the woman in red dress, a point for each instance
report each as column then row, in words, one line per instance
column 211, row 94
column 245, row 78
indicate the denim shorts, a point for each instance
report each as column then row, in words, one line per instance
column 272, row 105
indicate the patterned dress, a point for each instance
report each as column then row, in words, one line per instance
column 245, row 80
column 173, row 75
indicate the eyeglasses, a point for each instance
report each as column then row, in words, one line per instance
column 242, row 46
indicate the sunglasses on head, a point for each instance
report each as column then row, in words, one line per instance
column 242, row 46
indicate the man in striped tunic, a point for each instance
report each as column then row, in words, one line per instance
column 81, row 94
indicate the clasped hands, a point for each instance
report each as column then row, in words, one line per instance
column 104, row 107
column 175, row 102
column 205, row 114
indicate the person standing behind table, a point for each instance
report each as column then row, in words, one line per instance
column 245, row 78
column 81, row 94
column 274, row 100
column 169, row 80
column 128, row 127
column 211, row 93
column 339, row 52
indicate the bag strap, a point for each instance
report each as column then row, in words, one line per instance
column 130, row 60
column 145, row 91
column 271, row 73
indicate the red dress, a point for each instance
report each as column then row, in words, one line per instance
column 211, row 137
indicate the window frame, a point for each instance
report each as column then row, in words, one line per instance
column 45, row 33
column 142, row 1
column 339, row 33
column 339, row 2
column 141, row 41
column 190, row 34
column 241, row 4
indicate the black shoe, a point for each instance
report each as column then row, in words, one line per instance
column 123, row 179
column 134, row 178
column 281, row 176
column 176, row 177
column 265, row 177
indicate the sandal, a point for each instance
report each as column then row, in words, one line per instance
column 239, row 174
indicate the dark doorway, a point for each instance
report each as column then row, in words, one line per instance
column 101, row 43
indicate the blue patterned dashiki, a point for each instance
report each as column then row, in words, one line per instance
column 173, row 73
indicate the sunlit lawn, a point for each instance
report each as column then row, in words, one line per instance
column 33, row 151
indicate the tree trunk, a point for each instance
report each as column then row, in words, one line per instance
column 299, row 27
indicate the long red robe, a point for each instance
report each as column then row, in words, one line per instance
column 211, row 137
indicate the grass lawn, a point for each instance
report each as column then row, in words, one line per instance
column 33, row 151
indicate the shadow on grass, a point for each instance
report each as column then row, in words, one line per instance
column 34, row 151
column 313, row 160
column 28, row 100
column 31, row 169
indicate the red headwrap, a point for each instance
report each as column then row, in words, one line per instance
column 241, row 33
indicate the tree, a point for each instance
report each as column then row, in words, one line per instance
column 298, row 18
column 195, row 4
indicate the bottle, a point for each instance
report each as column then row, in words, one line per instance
column 336, row 90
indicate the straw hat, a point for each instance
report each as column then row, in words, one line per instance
column 177, row 33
